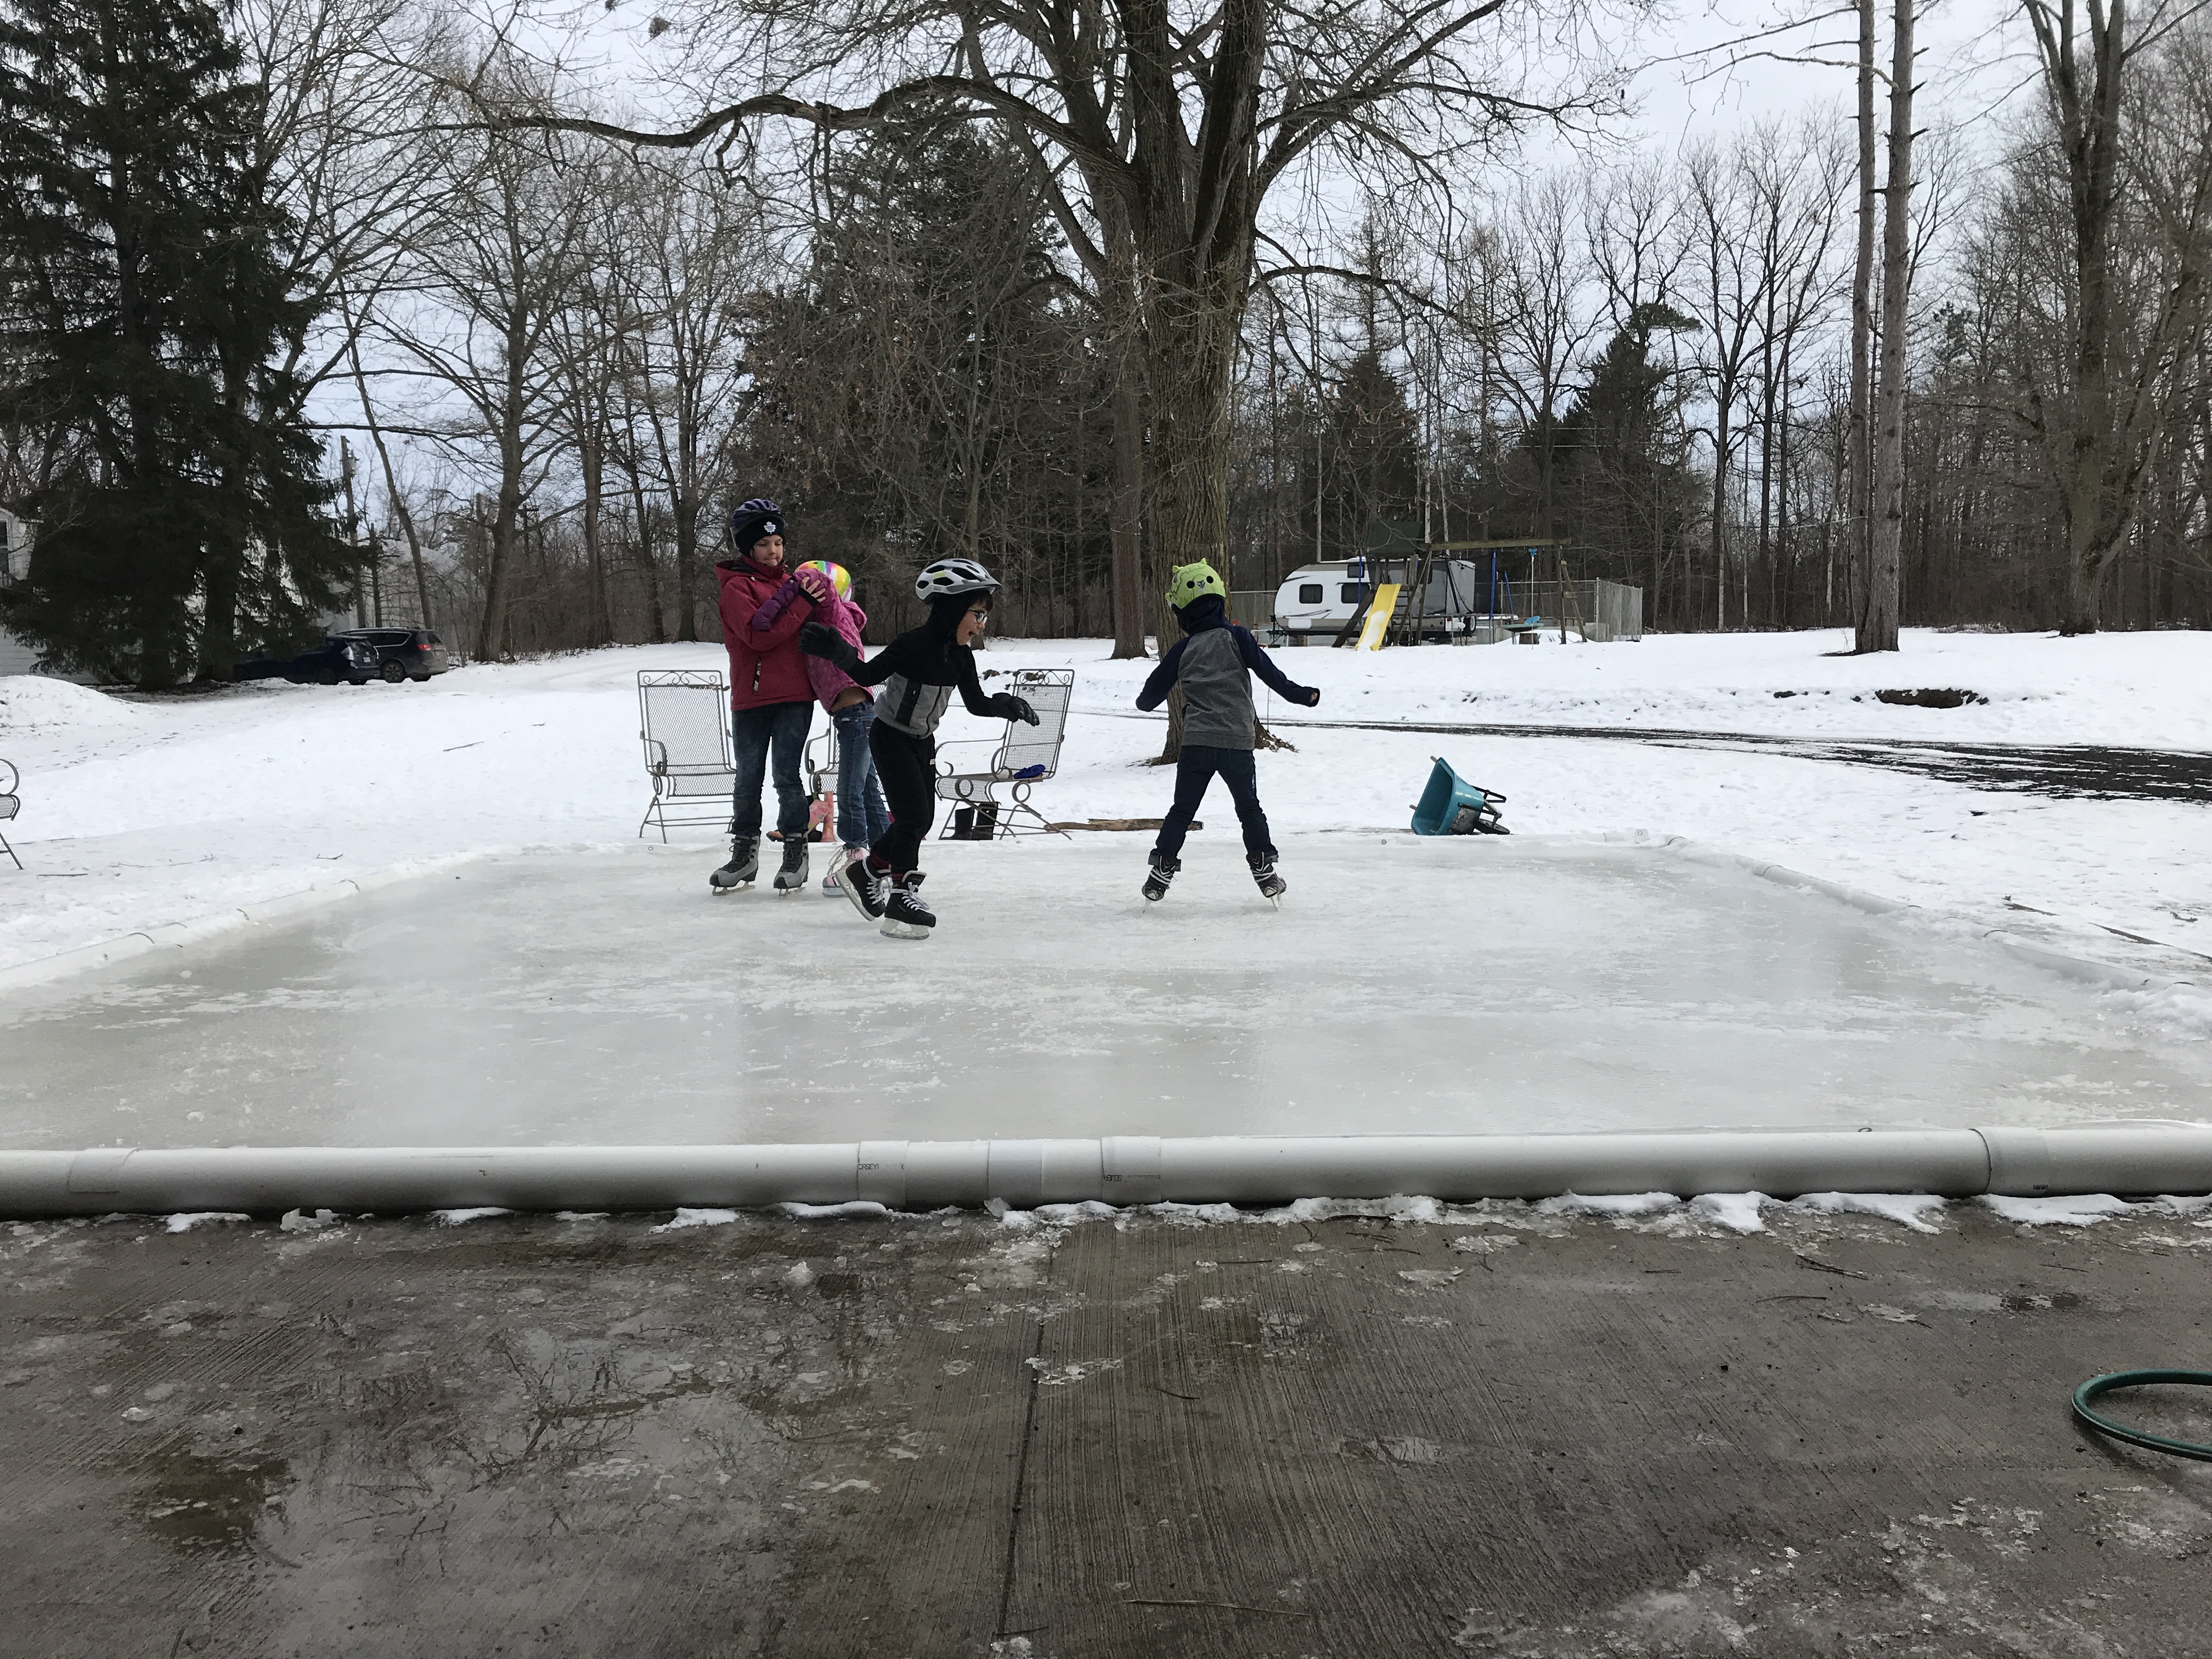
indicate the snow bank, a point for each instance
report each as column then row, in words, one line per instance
column 31, row 704
column 2080, row 1209
column 1907, row 1209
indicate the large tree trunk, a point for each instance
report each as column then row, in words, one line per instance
column 2089, row 124
column 1859, row 449
column 491, row 633
column 1877, row 619
column 392, row 484
column 1126, row 509
column 1192, row 335
column 218, row 648
column 687, row 565
column 225, row 554
column 592, row 464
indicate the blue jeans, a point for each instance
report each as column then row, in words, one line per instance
column 862, row 815
column 1194, row 771
column 753, row 733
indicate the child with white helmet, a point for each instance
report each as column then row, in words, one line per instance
column 1214, row 662
column 917, row 674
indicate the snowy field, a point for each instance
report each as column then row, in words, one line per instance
column 140, row 814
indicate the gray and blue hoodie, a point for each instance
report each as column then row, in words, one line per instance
column 1215, row 661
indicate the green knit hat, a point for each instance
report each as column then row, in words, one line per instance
column 1194, row 581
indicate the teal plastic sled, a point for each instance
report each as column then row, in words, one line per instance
column 1451, row 805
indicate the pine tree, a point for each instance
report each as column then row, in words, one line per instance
column 142, row 303
column 1623, row 488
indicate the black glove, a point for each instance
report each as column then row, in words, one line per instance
column 1008, row 706
column 1313, row 696
column 820, row 640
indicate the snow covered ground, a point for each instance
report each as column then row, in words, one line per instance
column 138, row 813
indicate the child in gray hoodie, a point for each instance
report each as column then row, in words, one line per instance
column 1214, row 662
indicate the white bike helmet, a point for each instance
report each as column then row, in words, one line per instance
column 947, row 577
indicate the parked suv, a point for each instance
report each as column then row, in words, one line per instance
column 404, row 653
column 338, row 657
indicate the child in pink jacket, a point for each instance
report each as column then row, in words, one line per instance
column 862, row 815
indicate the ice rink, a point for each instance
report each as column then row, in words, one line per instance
column 1406, row 987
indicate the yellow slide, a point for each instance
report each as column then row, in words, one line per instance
column 1378, row 618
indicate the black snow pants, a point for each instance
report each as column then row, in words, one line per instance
column 1199, row 766
column 906, row 765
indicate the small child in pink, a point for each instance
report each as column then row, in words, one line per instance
column 862, row 817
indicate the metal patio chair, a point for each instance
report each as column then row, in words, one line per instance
column 819, row 763
column 9, row 803
column 684, row 724
column 1020, row 757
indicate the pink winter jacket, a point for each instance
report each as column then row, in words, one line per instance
column 827, row 678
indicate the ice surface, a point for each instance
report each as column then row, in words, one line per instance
column 1417, row 987
column 138, row 814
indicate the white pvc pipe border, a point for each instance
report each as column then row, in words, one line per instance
column 1119, row 1170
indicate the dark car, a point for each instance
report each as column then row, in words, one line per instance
column 404, row 653
column 345, row 657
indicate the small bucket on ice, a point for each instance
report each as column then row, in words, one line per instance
column 1451, row 805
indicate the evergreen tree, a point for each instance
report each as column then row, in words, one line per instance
column 1623, row 489
column 1370, row 459
column 918, row 390
column 142, row 304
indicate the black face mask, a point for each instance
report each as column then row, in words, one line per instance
column 946, row 611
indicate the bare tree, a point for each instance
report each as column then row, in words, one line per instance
column 493, row 277
column 1858, row 448
column 1551, row 312
column 1877, row 587
column 1724, row 192
column 694, row 253
column 1165, row 127
column 2102, row 428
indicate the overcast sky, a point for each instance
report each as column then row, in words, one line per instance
column 1970, row 63
column 1687, row 88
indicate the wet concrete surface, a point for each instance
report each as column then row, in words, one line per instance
column 1512, row 1433
column 2062, row 771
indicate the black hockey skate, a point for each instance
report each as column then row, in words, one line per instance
column 1157, row 878
column 791, row 879
column 866, row 887
column 1263, row 872
column 905, row 916
column 742, row 870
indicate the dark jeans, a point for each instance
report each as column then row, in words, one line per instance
column 907, row 767
column 861, row 819
column 782, row 727
column 1194, row 772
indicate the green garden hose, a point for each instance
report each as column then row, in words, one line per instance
column 2110, row 1379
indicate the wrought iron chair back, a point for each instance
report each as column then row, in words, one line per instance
column 1022, row 756
column 683, row 716
column 10, row 804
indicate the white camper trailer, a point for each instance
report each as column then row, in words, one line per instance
column 1317, row 601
